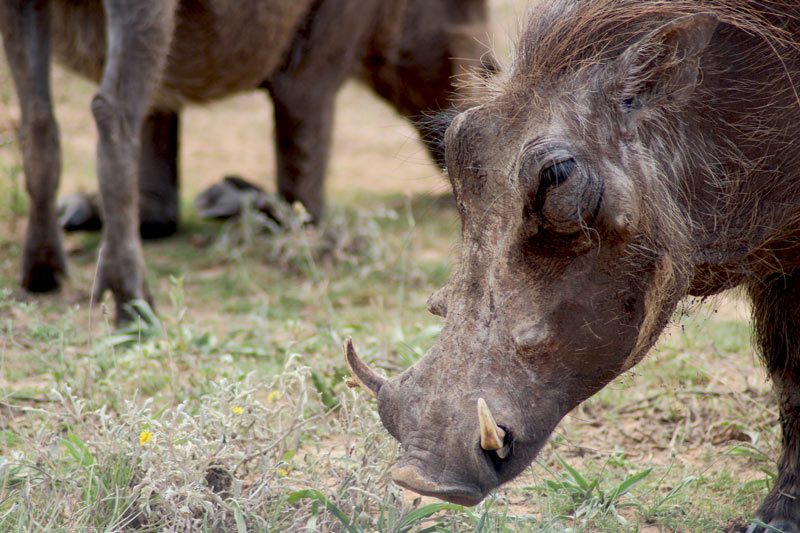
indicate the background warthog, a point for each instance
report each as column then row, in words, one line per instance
column 636, row 153
column 160, row 55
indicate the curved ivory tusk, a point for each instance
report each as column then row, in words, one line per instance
column 364, row 375
column 492, row 435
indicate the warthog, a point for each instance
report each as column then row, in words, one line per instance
column 152, row 57
column 637, row 152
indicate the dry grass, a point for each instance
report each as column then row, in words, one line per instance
column 229, row 413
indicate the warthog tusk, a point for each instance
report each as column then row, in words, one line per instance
column 492, row 435
column 364, row 375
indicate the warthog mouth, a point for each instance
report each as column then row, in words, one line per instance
column 464, row 478
column 410, row 478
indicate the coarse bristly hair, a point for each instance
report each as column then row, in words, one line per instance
column 564, row 39
column 725, row 187
column 565, row 34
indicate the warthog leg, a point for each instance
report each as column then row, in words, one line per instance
column 26, row 38
column 303, row 93
column 158, row 184
column 776, row 313
column 138, row 40
column 303, row 122
column 158, row 175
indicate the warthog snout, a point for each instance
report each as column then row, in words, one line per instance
column 455, row 451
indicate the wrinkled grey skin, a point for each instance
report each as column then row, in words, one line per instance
column 637, row 152
column 163, row 54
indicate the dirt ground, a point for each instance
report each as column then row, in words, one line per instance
column 374, row 149
column 689, row 404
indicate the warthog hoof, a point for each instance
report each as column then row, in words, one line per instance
column 781, row 525
column 44, row 265
column 158, row 230
column 79, row 212
column 229, row 198
column 42, row 278
column 234, row 195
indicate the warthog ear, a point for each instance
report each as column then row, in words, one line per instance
column 663, row 67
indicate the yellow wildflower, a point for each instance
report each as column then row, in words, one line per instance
column 237, row 410
column 274, row 396
column 299, row 210
column 145, row 437
column 282, row 472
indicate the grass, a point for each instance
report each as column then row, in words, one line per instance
column 226, row 410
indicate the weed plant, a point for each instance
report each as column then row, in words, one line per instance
column 224, row 408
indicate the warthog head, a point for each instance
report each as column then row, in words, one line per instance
column 574, row 253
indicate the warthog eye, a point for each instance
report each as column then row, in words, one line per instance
column 567, row 197
column 550, row 176
column 556, row 173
